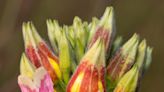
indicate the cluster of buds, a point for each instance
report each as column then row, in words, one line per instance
column 126, row 67
column 84, row 57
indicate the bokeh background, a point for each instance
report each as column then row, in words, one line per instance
column 146, row 17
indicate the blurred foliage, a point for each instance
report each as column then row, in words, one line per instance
column 145, row 17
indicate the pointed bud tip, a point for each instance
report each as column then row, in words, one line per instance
column 118, row 40
column 142, row 45
column 150, row 49
column 30, row 35
column 76, row 18
column 131, row 45
column 148, row 57
column 107, row 20
column 77, row 22
column 131, row 41
column 93, row 53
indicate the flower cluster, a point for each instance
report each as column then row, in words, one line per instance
column 85, row 57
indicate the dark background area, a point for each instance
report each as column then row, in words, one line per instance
column 146, row 17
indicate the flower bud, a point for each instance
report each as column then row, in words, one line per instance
column 81, row 37
column 70, row 35
column 38, row 51
column 116, row 45
column 89, row 76
column 128, row 82
column 148, row 58
column 105, row 29
column 122, row 60
column 53, row 28
column 64, row 57
column 92, row 28
column 141, row 55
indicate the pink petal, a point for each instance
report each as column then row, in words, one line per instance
column 41, row 82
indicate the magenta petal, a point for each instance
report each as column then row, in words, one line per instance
column 46, row 84
column 41, row 82
column 26, row 89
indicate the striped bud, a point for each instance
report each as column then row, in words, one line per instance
column 105, row 29
column 122, row 60
column 129, row 82
column 38, row 51
column 89, row 76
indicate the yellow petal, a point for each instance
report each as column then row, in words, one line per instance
column 55, row 66
column 77, row 83
column 100, row 86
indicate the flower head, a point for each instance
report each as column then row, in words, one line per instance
column 81, row 52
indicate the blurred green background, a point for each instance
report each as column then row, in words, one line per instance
column 146, row 17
